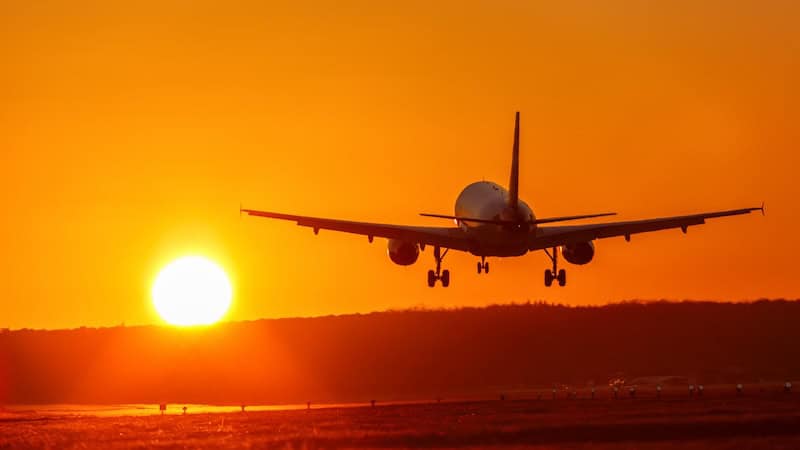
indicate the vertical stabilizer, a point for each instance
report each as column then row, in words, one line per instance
column 513, row 184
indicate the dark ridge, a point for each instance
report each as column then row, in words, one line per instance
column 402, row 354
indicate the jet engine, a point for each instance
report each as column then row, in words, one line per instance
column 402, row 253
column 580, row 253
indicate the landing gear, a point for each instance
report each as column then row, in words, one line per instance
column 555, row 273
column 483, row 265
column 439, row 274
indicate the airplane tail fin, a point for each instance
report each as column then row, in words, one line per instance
column 513, row 184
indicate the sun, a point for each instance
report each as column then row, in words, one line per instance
column 192, row 291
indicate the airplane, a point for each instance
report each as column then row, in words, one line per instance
column 492, row 221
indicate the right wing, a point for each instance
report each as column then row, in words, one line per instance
column 554, row 236
column 450, row 237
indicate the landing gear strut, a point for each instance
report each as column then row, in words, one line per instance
column 439, row 274
column 555, row 273
column 483, row 265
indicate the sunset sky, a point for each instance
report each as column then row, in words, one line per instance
column 129, row 136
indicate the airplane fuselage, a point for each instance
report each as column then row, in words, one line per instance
column 488, row 200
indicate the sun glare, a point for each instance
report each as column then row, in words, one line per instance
column 192, row 291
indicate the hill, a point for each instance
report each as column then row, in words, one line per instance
column 401, row 354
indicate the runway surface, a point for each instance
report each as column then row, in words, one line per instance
column 717, row 420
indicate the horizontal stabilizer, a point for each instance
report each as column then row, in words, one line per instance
column 567, row 218
column 467, row 219
column 512, row 222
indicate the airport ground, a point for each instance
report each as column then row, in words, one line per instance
column 719, row 419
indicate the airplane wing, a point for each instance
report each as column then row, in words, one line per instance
column 445, row 237
column 548, row 237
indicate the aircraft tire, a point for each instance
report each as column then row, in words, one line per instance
column 562, row 277
column 548, row 278
column 445, row 278
column 431, row 278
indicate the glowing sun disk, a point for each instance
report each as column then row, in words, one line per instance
column 192, row 291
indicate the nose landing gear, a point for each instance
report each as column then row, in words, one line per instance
column 555, row 273
column 439, row 274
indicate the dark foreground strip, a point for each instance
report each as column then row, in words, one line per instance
column 25, row 419
column 571, row 434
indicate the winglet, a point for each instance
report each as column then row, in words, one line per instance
column 763, row 209
column 240, row 209
column 513, row 183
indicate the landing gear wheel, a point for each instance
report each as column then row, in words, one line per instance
column 431, row 278
column 483, row 265
column 439, row 274
column 555, row 273
column 548, row 278
column 562, row 277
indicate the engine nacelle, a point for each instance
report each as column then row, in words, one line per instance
column 402, row 253
column 580, row 253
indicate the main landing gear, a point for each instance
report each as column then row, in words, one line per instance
column 439, row 274
column 555, row 274
column 483, row 265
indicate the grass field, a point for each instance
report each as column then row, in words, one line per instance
column 757, row 421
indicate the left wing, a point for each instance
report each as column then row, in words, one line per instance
column 547, row 237
column 452, row 238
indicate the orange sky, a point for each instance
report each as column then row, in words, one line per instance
column 130, row 135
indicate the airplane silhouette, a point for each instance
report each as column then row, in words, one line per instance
column 493, row 221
